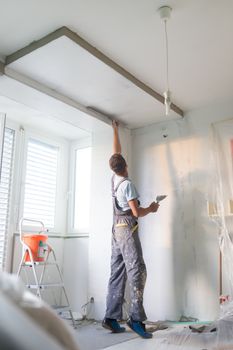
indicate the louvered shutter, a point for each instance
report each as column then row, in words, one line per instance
column 41, row 182
column 5, row 188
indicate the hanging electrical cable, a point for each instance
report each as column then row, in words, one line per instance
column 165, row 13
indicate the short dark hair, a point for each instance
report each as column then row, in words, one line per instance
column 117, row 163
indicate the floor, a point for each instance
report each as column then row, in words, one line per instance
column 158, row 342
column 177, row 336
column 91, row 336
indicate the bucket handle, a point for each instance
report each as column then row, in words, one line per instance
column 29, row 220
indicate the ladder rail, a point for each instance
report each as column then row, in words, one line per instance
column 21, row 233
column 39, row 278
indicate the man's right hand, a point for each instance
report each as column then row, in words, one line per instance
column 116, row 139
column 115, row 125
column 154, row 207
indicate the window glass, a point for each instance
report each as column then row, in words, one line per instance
column 82, row 189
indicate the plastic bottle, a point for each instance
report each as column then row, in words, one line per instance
column 41, row 250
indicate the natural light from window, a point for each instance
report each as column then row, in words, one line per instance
column 41, row 182
column 82, row 190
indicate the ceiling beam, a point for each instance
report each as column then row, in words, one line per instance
column 1, row 68
column 64, row 31
column 56, row 95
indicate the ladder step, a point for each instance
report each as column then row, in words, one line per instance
column 45, row 286
column 38, row 263
column 61, row 308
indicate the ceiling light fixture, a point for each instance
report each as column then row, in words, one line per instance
column 165, row 14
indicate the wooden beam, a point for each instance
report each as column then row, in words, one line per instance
column 64, row 31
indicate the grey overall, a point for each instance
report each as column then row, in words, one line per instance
column 126, row 262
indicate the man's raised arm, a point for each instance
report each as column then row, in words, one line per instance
column 116, row 139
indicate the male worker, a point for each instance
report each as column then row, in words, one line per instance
column 127, row 259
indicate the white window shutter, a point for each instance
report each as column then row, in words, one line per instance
column 5, row 189
column 41, row 182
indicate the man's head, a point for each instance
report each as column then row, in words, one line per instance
column 118, row 164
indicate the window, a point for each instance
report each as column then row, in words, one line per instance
column 2, row 128
column 5, row 189
column 82, row 182
column 41, row 182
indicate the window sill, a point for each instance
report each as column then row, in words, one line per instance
column 57, row 235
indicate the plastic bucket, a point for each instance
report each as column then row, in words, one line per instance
column 37, row 245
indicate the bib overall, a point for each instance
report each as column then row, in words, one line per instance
column 126, row 262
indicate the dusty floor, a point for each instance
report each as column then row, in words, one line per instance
column 91, row 336
column 177, row 336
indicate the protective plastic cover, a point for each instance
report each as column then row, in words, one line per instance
column 219, row 334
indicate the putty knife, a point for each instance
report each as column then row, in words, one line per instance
column 160, row 198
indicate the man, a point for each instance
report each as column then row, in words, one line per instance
column 127, row 258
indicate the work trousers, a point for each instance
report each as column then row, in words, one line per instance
column 126, row 262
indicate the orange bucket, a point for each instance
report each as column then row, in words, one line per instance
column 37, row 244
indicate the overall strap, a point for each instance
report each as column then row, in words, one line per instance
column 114, row 190
column 117, row 210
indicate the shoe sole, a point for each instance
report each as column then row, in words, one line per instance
column 112, row 329
column 144, row 337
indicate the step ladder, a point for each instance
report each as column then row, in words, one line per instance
column 39, row 265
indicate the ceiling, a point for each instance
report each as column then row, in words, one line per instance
column 67, row 68
column 130, row 32
column 26, row 117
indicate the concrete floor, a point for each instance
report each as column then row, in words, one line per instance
column 158, row 342
column 91, row 336
column 180, row 337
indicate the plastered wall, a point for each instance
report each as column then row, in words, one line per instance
column 180, row 242
column 75, row 271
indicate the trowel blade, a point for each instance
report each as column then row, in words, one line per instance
column 160, row 198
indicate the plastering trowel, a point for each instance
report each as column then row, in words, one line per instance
column 160, row 198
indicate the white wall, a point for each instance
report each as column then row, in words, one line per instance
column 180, row 242
column 75, row 271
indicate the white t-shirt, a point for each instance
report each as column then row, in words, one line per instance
column 125, row 192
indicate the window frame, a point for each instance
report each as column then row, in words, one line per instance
column 61, row 184
column 2, row 133
column 8, row 243
column 76, row 145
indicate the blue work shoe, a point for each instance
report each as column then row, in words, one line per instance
column 139, row 328
column 112, row 325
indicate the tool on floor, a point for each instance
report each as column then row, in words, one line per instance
column 35, row 257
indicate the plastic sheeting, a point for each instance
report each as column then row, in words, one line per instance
column 221, row 339
column 221, row 195
column 37, row 311
column 220, row 206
